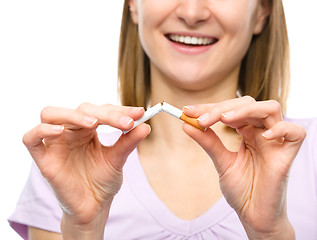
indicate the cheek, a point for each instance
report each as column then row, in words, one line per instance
column 150, row 17
column 153, row 17
column 237, row 23
column 153, row 13
column 236, row 17
column 147, row 39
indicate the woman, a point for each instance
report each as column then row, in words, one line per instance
column 181, row 183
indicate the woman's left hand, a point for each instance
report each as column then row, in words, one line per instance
column 254, row 179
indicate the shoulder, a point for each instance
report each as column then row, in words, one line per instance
column 37, row 206
column 302, row 184
column 307, row 123
column 306, row 158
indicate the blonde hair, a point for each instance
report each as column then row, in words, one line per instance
column 264, row 72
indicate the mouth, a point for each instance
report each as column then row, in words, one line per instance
column 191, row 41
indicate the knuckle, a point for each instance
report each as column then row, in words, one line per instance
column 275, row 105
column 282, row 126
column 209, row 106
column 217, row 108
column 248, row 99
column 83, row 106
column 303, row 133
column 25, row 139
column 107, row 105
column 45, row 112
column 38, row 130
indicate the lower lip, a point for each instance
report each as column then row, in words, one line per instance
column 188, row 49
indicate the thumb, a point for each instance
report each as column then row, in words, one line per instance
column 119, row 152
column 210, row 142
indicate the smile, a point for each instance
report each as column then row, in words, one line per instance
column 191, row 40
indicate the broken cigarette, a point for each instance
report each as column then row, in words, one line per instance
column 163, row 106
column 149, row 113
column 179, row 114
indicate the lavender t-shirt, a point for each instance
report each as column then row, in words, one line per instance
column 137, row 212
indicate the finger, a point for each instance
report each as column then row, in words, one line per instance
column 208, row 114
column 118, row 153
column 33, row 139
column 68, row 117
column 121, row 117
column 211, row 143
column 87, row 116
column 106, row 109
column 289, row 131
column 263, row 114
column 196, row 110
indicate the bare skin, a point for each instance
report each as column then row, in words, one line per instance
column 259, row 157
column 179, row 170
column 84, row 174
column 261, row 166
column 35, row 233
column 268, row 147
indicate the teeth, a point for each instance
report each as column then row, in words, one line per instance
column 191, row 40
column 194, row 41
column 188, row 40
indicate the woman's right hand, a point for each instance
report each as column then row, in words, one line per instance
column 84, row 174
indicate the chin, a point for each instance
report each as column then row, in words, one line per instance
column 190, row 80
column 191, row 83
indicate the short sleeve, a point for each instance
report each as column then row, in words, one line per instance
column 313, row 136
column 314, row 144
column 36, row 207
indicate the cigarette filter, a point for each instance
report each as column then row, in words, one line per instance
column 163, row 106
column 179, row 114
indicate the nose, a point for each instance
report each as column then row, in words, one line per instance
column 193, row 12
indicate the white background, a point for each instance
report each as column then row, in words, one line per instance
column 63, row 53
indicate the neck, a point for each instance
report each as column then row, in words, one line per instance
column 167, row 131
column 212, row 91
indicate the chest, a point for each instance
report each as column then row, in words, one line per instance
column 188, row 191
column 138, row 212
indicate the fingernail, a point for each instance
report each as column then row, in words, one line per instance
column 138, row 109
column 150, row 129
column 188, row 108
column 267, row 133
column 126, row 120
column 58, row 128
column 228, row 114
column 203, row 117
column 90, row 120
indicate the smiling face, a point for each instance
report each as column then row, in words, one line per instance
column 197, row 43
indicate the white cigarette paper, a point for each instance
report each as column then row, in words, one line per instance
column 149, row 113
column 163, row 106
column 172, row 110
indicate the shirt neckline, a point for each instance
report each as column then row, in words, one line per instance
column 142, row 190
